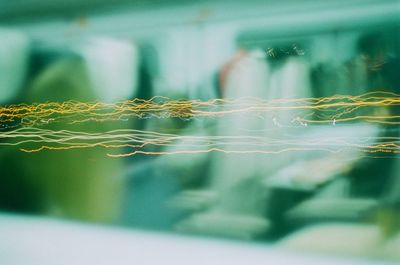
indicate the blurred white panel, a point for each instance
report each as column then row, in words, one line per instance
column 112, row 67
column 26, row 240
column 13, row 62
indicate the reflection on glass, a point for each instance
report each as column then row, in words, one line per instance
column 290, row 140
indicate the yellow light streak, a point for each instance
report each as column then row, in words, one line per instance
column 24, row 125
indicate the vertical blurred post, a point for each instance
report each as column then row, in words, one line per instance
column 14, row 51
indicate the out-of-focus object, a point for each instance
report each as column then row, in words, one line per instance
column 44, row 241
column 391, row 249
column 389, row 220
column 82, row 184
column 112, row 66
column 231, row 215
column 14, row 52
column 333, row 209
column 336, row 238
column 389, row 214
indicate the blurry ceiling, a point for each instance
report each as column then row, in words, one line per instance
column 28, row 10
column 11, row 10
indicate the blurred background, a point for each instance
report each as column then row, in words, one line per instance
column 336, row 207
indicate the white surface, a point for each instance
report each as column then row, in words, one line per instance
column 13, row 62
column 113, row 67
column 28, row 240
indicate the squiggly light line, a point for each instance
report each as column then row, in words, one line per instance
column 339, row 108
column 29, row 119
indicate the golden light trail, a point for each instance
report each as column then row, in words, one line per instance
column 24, row 125
column 339, row 108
